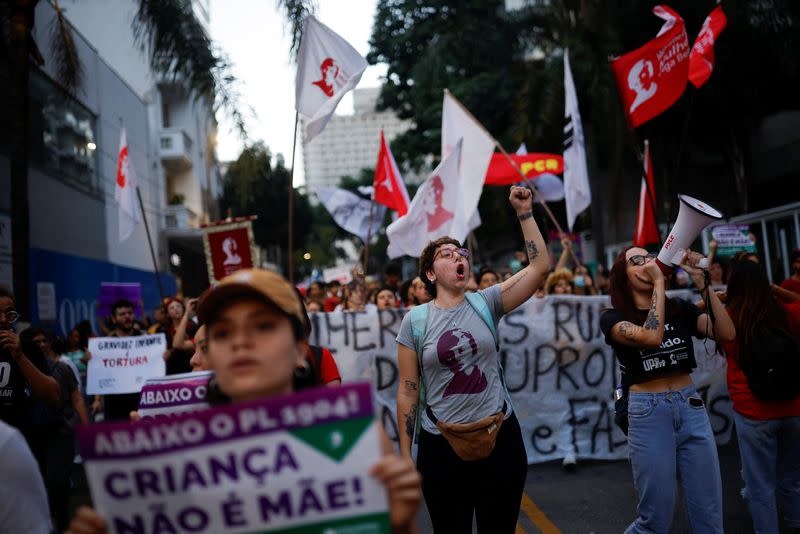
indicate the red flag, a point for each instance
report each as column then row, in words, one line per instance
column 501, row 172
column 651, row 78
column 701, row 59
column 646, row 229
column 389, row 187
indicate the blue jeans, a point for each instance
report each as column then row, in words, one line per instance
column 770, row 451
column 669, row 437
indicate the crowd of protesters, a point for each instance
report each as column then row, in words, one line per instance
column 44, row 393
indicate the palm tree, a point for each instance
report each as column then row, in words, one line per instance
column 177, row 48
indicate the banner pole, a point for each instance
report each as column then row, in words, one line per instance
column 289, row 249
column 150, row 243
column 529, row 183
column 369, row 232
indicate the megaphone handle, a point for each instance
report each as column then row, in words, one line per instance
column 702, row 264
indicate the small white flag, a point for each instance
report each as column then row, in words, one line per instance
column 327, row 68
column 125, row 191
column 438, row 209
column 351, row 211
column 576, row 177
column 476, row 152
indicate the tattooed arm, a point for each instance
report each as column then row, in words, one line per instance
column 524, row 284
column 651, row 333
column 407, row 396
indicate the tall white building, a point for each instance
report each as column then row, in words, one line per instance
column 350, row 143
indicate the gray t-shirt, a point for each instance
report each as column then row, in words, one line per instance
column 459, row 362
column 23, row 499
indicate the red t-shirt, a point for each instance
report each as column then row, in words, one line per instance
column 331, row 303
column 743, row 399
column 790, row 284
column 328, row 371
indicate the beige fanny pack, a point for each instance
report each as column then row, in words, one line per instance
column 471, row 441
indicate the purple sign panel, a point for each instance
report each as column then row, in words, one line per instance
column 110, row 292
column 296, row 463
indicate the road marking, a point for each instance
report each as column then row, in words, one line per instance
column 538, row 518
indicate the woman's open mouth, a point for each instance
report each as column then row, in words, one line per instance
column 460, row 269
column 242, row 364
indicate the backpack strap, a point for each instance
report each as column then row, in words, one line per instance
column 481, row 307
column 419, row 325
column 316, row 353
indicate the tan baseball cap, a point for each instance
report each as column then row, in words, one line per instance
column 260, row 283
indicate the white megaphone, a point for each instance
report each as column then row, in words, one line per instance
column 693, row 216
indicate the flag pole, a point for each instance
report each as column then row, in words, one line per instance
column 529, row 183
column 369, row 231
column 524, row 178
column 150, row 243
column 651, row 195
column 289, row 250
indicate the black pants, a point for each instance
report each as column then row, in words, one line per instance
column 491, row 488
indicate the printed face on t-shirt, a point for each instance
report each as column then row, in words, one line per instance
column 454, row 348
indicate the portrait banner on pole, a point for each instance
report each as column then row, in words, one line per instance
column 297, row 463
column 229, row 247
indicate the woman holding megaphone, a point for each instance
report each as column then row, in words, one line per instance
column 668, row 428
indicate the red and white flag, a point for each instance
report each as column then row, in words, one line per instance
column 388, row 186
column 327, row 68
column 701, row 59
column 653, row 77
column 125, row 191
column 442, row 207
column 646, row 228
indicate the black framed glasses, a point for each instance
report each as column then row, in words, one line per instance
column 641, row 259
column 448, row 253
column 10, row 315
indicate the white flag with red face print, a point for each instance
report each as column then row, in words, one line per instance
column 327, row 68
column 125, row 191
column 388, row 186
column 440, row 208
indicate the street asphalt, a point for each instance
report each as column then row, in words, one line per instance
column 598, row 498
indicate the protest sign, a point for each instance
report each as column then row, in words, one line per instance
column 559, row 370
column 296, row 463
column 122, row 364
column 185, row 392
column 732, row 238
column 110, row 292
column 341, row 273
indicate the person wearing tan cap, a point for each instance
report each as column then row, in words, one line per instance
column 256, row 340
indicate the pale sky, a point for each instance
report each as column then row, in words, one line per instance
column 255, row 37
